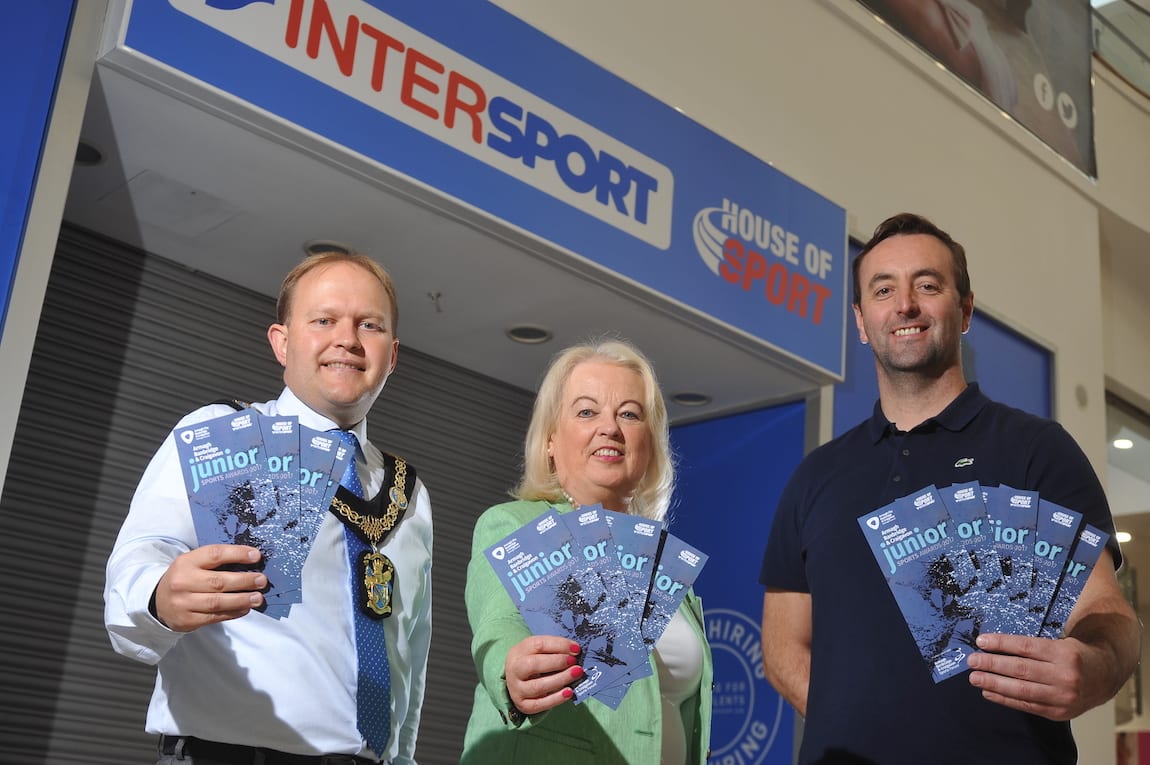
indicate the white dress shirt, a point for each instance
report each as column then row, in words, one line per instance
column 286, row 684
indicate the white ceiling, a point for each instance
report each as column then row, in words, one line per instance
column 238, row 196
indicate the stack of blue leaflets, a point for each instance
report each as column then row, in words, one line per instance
column 608, row 581
column 970, row 559
column 264, row 481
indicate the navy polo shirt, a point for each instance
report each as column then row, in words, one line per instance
column 871, row 697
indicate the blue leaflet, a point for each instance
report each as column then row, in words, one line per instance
column 609, row 581
column 637, row 545
column 1013, row 516
column 219, row 459
column 534, row 563
column 964, row 504
column 637, row 550
column 911, row 539
column 233, row 497
column 1057, row 529
column 319, row 478
column 343, row 455
column 947, row 565
column 250, row 480
column 283, row 554
column 1087, row 549
column 678, row 567
column 611, row 644
column 978, row 581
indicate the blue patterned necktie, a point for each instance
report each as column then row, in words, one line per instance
column 373, row 691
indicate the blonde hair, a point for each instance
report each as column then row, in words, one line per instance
column 653, row 494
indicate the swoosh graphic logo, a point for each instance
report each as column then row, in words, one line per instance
column 709, row 238
column 232, row 5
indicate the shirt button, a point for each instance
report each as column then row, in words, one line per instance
column 906, row 452
column 897, row 478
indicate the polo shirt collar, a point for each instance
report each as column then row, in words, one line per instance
column 955, row 417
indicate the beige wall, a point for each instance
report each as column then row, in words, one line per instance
column 846, row 107
column 43, row 225
column 1123, row 138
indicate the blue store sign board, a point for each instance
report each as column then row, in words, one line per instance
column 727, row 489
column 465, row 98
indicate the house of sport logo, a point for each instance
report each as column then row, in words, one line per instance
column 747, row 249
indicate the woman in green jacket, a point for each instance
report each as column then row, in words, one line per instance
column 598, row 436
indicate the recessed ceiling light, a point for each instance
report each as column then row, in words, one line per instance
column 88, row 155
column 529, row 334
column 1123, row 443
column 1123, row 536
column 320, row 246
column 691, row 399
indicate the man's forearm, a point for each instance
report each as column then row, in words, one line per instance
column 1116, row 637
column 790, row 676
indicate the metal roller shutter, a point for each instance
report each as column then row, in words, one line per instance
column 126, row 345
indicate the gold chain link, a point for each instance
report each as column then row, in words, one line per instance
column 374, row 526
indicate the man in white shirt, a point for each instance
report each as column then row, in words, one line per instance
column 235, row 685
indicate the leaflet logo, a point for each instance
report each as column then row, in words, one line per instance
column 726, row 238
column 371, row 57
column 872, row 522
column 689, row 558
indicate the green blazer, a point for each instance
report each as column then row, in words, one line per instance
column 570, row 734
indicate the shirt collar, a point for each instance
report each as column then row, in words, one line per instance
column 955, row 417
column 290, row 404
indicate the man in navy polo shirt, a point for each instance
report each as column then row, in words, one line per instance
column 835, row 644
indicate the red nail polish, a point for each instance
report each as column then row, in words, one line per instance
column 571, row 661
column 577, row 672
column 568, row 693
column 575, row 648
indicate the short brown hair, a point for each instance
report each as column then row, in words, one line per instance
column 323, row 259
column 910, row 223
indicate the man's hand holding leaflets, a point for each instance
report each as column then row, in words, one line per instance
column 264, row 481
column 969, row 559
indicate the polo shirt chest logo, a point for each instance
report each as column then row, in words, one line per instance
column 964, row 462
